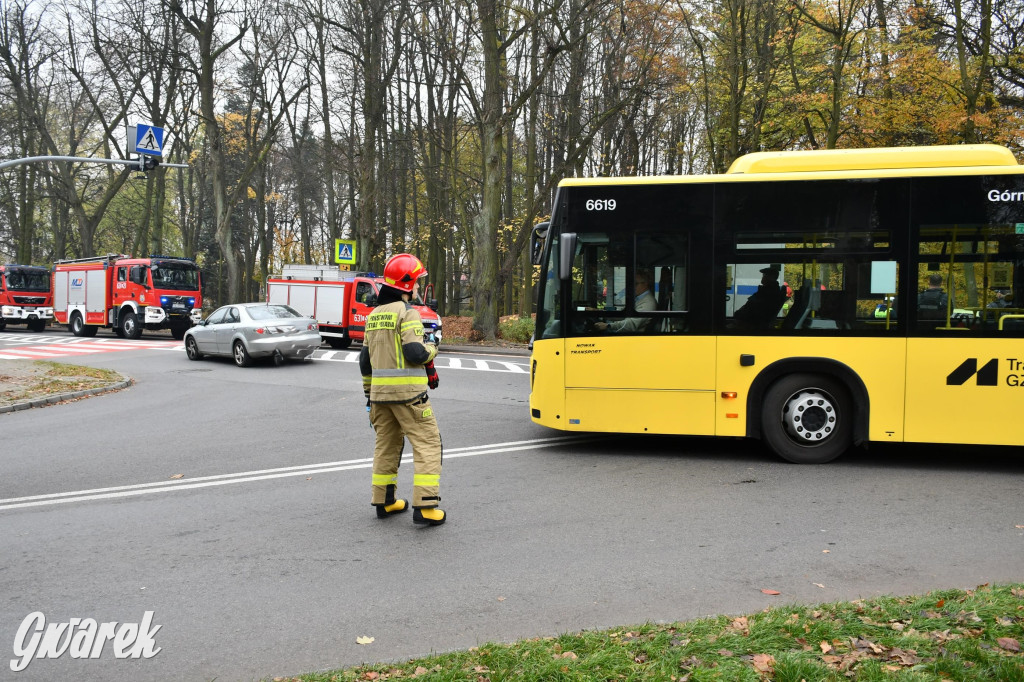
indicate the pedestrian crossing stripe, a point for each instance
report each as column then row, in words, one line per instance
column 70, row 350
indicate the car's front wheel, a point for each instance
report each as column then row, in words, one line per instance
column 192, row 349
column 241, row 355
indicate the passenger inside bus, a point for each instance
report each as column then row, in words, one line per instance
column 932, row 302
column 764, row 305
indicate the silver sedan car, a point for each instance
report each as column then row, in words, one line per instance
column 245, row 331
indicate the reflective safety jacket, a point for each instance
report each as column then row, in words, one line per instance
column 394, row 354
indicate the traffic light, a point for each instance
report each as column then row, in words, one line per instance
column 149, row 162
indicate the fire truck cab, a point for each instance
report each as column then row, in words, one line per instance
column 25, row 296
column 127, row 294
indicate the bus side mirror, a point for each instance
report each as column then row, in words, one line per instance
column 540, row 234
column 566, row 254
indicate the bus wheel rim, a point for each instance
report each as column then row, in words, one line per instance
column 810, row 416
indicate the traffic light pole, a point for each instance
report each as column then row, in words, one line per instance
column 138, row 164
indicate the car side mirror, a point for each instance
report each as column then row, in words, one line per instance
column 432, row 304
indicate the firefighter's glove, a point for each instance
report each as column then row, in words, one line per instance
column 432, row 379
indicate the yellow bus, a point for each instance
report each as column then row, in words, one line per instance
column 814, row 300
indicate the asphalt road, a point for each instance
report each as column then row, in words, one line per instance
column 264, row 557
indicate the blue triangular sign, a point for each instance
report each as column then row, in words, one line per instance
column 345, row 252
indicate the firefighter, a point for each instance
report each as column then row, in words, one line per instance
column 397, row 368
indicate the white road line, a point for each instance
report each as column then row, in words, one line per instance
column 267, row 474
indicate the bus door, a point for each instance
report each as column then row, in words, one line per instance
column 632, row 363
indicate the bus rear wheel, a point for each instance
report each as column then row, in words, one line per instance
column 807, row 418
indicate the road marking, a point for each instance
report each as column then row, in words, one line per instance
column 441, row 362
column 267, row 474
column 54, row 350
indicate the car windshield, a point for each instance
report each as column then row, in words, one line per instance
column 272, row 312
column 180, row 276
column 27, row 280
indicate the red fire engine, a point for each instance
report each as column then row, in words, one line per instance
column 25, row 296
column 127, row 294
column 339, row 301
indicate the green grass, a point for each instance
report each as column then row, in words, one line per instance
column 948, row 635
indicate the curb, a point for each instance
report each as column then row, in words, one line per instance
column 61, row 397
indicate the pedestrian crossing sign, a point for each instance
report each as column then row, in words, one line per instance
column 149, row 140
column 345, row 251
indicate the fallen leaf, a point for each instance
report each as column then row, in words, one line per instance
column 501, row 599
column 908, row 657
column 420, row 670
column 178, row 476
column 364, row 640
column 568, row 654
column 766, row 591
column 1008, row 643
column 309, row 478
column 939, row 604
column 825, row 647
column 826, row 551
column 724, row 652
column 764, row 663
column 1018, row 526
column 818, row 585
column 739, row 623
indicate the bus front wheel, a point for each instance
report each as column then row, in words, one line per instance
column 807, row 419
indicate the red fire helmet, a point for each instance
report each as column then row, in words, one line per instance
column 402, row 270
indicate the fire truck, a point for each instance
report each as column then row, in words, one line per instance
column 25, row 296
column 340, row 301
column 127, row 294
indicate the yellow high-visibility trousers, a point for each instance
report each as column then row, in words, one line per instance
column 393, row 423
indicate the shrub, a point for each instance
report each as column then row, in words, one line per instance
column 516, row 329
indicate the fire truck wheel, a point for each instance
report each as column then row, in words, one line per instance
column 242, row 357
column 79, row 327
column 335, row 342
column 130, row 327
column 192, row 349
